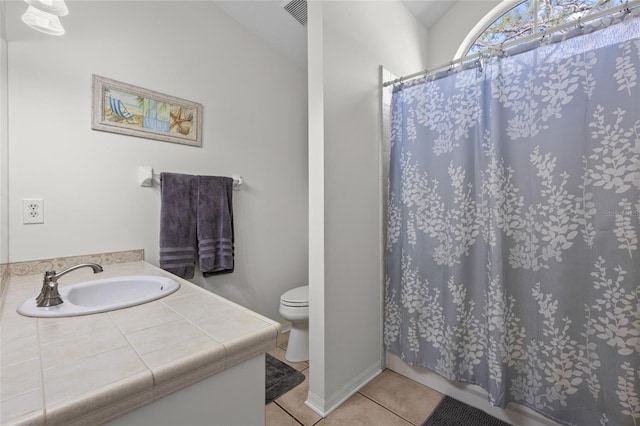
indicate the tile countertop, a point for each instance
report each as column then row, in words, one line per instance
column 89, row 369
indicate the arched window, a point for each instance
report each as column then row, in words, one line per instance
column 513, row 19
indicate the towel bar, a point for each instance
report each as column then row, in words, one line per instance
column 146, row 177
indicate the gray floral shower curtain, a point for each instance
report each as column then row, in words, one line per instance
column 513, row 221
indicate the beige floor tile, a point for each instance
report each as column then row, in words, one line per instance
column 408, row 399
column 276, row 416
column 279, row 354
column 293, row 403
column 359, row 410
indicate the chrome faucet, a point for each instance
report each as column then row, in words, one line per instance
column 49, row 295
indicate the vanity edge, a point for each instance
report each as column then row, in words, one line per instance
column 151, row 380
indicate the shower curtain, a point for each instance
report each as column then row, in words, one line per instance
column 513, row 216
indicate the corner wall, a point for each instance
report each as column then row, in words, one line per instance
column 4, row 145
column 447, row 34
column 347, row 43
column 255, row 125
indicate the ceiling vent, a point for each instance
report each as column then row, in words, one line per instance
column 297, row 9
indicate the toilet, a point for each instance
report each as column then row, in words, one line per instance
column 294, row 306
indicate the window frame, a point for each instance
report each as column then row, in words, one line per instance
column 501, row 9
column 488, row 19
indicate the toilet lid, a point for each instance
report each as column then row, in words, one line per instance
column 298, row 296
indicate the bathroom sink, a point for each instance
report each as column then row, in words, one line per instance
column 92, row 297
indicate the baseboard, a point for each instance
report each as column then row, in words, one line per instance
column 316, row 403
column 324, row 407
column 516, row 414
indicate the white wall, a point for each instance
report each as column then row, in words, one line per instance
column 348, row 41
column 255, row 124
column 446, row 35
column 315, row 82
column 4, row 159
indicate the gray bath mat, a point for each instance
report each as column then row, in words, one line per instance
column 281, row 378
column 451, row 412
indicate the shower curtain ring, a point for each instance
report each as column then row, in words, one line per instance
column 545, row 35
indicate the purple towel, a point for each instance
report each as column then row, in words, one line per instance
column 215, row 224
column 178, row 222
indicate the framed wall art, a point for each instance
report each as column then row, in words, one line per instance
column 131, row 110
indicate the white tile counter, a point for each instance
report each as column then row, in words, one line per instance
column 93, row 368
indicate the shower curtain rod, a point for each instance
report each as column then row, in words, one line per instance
column 500, row 48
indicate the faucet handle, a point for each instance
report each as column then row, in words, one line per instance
column 49, row 276
column 49, row 295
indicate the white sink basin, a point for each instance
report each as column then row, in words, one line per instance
column 91, row 297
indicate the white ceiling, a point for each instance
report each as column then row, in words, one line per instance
column 428, row 11
column 265, row 18
column 269, row 21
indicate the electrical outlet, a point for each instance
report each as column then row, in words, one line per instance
column 33, row 210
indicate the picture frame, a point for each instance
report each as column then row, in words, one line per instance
column 135, row 111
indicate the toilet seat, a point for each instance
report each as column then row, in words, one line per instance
column 296, row 298
column 294, row 307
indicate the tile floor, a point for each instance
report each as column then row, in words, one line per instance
column 390, row 399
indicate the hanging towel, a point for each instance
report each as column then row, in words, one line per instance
column 215, row 224
column 178, row 222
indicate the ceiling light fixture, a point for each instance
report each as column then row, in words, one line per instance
column 42, row 15
column 42, row 21
column 54, row 7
